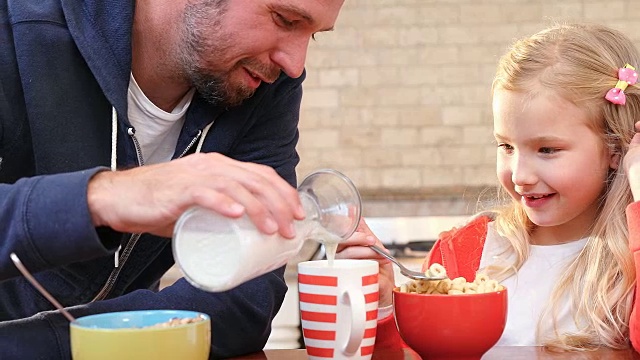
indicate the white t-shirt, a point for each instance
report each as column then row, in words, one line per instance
column 530, row 289
column 157, row 131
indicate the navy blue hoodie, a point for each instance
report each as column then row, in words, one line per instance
column 63, row 65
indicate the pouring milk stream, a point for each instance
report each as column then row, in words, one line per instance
column 217, row 253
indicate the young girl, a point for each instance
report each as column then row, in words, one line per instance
column 564, row 107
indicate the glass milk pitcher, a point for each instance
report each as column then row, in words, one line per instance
column 217, row 253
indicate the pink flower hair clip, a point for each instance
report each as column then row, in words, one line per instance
column 626, row 76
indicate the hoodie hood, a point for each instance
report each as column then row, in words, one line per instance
column 102, row 31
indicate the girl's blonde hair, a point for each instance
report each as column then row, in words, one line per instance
column 580, row 62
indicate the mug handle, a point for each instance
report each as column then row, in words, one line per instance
column 355, row 301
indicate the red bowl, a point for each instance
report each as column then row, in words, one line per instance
column 450, row 326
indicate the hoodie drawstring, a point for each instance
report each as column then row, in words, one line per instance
column 114, row 158
column 202, row 136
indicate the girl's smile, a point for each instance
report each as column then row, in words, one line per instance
column 536, row 201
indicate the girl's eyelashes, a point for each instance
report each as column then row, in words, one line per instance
column 548, row 150
column 545, row 150
column 505, row 147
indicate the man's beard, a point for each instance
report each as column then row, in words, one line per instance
column 200, row 18
column 216, row 89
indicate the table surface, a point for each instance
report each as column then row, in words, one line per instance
column 496, row 353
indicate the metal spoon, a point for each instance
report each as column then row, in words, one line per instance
column 416, row 275
column 39, row 287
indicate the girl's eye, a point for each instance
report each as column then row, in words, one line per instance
column 505, row 147
column 548, row 150
column 282, row 21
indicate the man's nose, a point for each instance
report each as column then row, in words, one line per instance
column 291, row 56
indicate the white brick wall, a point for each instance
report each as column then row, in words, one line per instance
column 397, row 97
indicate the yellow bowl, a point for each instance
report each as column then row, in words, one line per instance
column 128, row 335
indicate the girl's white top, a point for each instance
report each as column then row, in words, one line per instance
column 530, row 289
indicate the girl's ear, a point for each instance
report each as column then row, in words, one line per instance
column 614, row 160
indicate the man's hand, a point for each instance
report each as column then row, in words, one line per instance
column 151, row 198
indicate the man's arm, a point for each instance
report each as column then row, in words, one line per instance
column 46, row 222
column 51, row 220
column 149, row 199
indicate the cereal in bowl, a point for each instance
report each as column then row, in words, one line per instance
column 176, row 322
column 459, row 285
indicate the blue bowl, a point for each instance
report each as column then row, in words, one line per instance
column 134, row 319
column 131, row 335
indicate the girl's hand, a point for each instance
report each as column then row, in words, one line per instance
column 357, row 247
column 631, row 164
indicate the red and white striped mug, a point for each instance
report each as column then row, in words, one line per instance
column 339, row 308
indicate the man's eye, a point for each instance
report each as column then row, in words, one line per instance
column 548, row 150
column 282, row 21
column 505, row 147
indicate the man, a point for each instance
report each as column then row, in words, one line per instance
column 85, row 86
